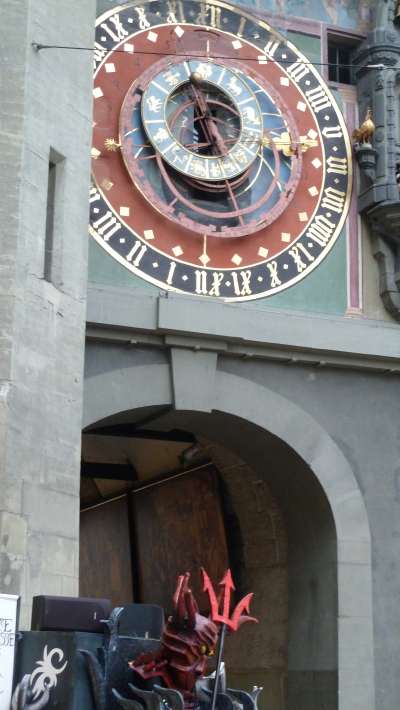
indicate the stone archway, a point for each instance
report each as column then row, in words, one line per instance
column 108, row 392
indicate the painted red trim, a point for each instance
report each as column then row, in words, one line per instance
column 354, row 272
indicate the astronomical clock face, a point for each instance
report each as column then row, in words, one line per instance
column 221, row 162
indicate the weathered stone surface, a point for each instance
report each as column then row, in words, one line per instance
column 45, row 105
column 50, row 511
column 13, row 539
column 264, row 572
column 379, row 199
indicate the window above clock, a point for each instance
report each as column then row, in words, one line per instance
column 340, row 53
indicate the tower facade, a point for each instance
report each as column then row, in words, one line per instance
column 45, row 138
column 240, row 398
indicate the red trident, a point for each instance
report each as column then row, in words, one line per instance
column 238, row 617
column 234, row 622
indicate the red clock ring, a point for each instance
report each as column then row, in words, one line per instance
column 111, row 176
column 133, row 167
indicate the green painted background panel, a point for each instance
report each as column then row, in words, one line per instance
column 323, row 291
column 309, row 45
column 103, row 269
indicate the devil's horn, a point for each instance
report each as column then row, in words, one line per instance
column 192, row 609
column 179, row 585
column 180, row 614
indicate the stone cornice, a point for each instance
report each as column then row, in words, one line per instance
column 116, row 316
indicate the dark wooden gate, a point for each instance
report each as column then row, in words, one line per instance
column 134, row 547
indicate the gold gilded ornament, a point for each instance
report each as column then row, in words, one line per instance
column 306, row 143
column 366, row 130
column 112, row 145
column 285, row 145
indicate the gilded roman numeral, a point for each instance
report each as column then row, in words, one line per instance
column 241, row 27
column 299, row 252
column 332, row 132
column 270, row 48
column 337, row 165
column 98, row 54
column 171, row 272
column 273, row 272
column 175, row 12
column 144, row 24
column 298, row 71
column 318, row 99
column 107, row 225
column 137, row 253
column 201, row 282
column 209, row 15
column 117, row 32
column 241, row 285
column 217, row 278
column 321, row 230
column 94, row 195
column 333, row 200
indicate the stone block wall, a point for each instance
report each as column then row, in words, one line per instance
column 258, row 653
column 45, row 111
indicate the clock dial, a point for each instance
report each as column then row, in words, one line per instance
column 208, row 125
column 221, row 163
column 222, row 151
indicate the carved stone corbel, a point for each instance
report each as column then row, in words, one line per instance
column 367, row 158
column 386, row 250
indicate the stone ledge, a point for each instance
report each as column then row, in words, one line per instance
column 240, row 331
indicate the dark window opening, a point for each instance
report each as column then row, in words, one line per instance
column 52, row 215
column 339, row 60
column 49, row 238
column 340, row 51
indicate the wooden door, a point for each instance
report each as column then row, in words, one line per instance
column 179, row 528
column 105, row 566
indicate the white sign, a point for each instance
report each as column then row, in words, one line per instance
column 9, row 611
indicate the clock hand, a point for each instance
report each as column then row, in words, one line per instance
column 219, row 142
column 202, row 108
column 211, row 129
column 232, row 197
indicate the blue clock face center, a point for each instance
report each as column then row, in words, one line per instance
column 198, row 130
column 208, row 145
column 203, row 119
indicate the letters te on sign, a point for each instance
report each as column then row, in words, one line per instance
column 9, row 612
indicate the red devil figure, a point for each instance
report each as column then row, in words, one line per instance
column 190, row 638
